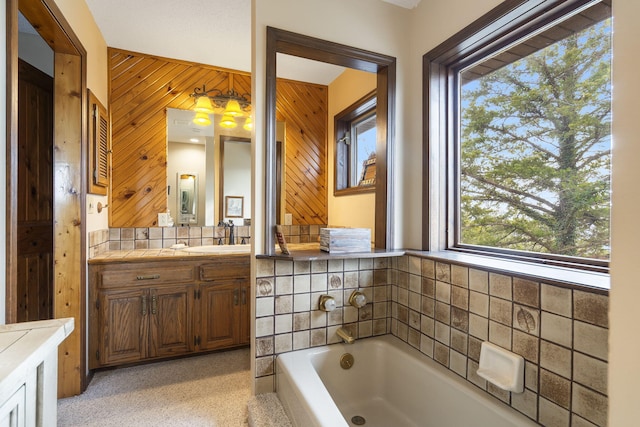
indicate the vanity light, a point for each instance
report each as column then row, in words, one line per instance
column 202, row 119
column 232, row 103
column 248, row 124
column 203, row 105
column 228, row 121
column 233, row 109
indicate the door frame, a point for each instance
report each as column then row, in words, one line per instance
column 70, row 182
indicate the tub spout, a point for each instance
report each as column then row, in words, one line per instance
column 345, row 335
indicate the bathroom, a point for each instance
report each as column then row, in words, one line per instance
column 426, row 26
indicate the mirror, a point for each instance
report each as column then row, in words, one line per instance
column 220, row 160
column 284, row 42
column 235, row 178
column 187, row 198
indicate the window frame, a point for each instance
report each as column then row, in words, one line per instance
column 343, row 121
column 500, row 27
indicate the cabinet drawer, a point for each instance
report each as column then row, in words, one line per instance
column 145, row 275
column 226, row 269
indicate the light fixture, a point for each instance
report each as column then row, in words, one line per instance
column 228, row 121
column 233, row 105
column 248, row 124
column 202, row 119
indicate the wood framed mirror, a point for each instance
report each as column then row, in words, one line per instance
column 285, row 42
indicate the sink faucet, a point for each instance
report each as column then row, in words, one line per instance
column 231, row 227
column 345, row 335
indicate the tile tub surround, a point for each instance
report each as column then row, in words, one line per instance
column 286, row 306
column 446, row 310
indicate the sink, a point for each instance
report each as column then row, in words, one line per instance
column 218, row 249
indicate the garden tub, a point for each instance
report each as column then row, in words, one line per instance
column 389, row 384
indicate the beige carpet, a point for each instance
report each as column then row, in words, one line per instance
column 208, row 390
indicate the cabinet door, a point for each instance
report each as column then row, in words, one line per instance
column 123, row 316
column 218, row 304
column 171, row 310
column 13, row 411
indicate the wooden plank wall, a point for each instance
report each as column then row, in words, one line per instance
column 303, row 108
column 142, row 87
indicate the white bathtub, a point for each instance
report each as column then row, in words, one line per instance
column 390, row 384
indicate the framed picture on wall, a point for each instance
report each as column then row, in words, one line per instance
column 234, row 206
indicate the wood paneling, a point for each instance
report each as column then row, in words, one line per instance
column 69, row 232
column 303, row 108
column 142, row 87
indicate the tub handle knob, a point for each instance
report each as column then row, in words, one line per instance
column 357, row 299
column 327, row 303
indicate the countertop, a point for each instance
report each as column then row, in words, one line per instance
column 166, row 253
column 298, row 252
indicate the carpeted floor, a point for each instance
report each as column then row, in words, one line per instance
column 208, row 390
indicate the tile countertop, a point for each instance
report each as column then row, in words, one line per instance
column 298, row 252
column 166, row 253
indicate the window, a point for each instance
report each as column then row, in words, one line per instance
column 355, row 131
column 527, row 130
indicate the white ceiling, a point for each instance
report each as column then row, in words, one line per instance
column 214, row 32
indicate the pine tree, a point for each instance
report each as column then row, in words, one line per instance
column 535, row 150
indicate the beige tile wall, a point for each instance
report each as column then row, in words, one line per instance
column 287, row 314
column 446, row 310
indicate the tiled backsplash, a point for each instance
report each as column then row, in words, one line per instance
column 131, row 238
column 302, row 233
column 446, row 310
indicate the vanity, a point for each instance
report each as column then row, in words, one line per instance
column 164, row 303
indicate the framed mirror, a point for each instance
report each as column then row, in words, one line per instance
column 235, row 178
column 187, row 198
column 285, row 42
column 200, row 151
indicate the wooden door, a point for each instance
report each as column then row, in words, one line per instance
column 171, row 310
column 35, row 195
column 124, row 319
column 218, row 303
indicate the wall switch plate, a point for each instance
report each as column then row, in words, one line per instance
column 288, row 219
column 91, row 206
column 163, row 220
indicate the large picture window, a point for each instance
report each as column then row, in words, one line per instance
column 529, row 138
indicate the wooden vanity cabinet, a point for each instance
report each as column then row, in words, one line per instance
column 224, row 289
column 151, row 309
